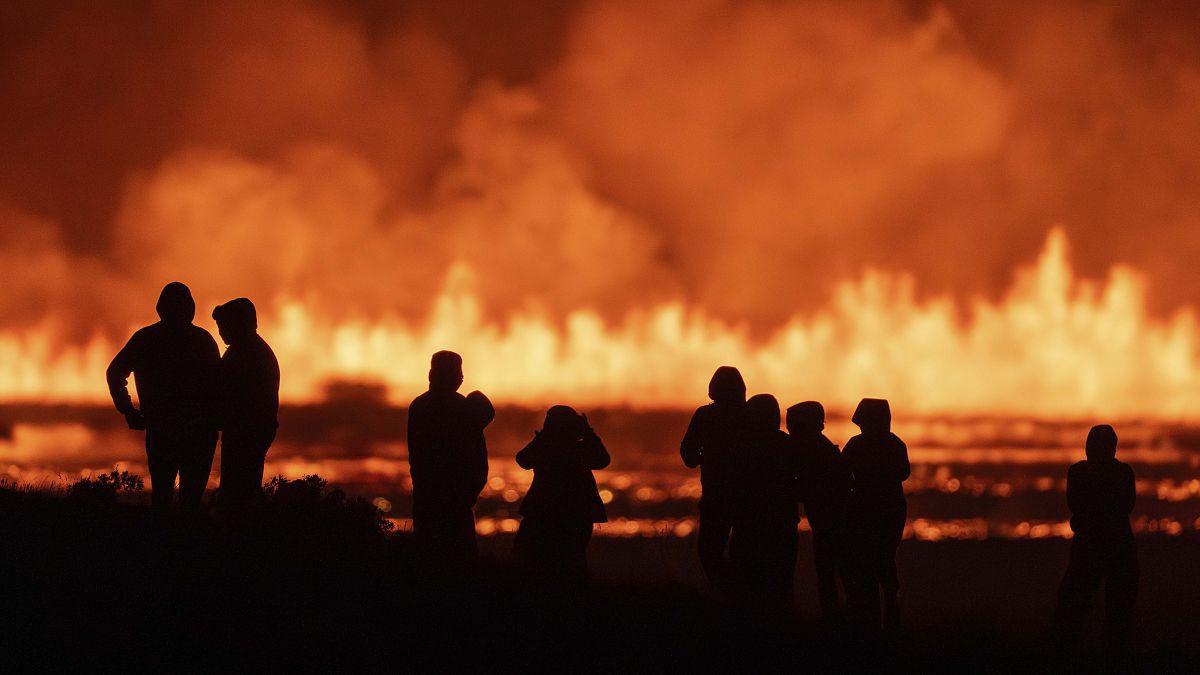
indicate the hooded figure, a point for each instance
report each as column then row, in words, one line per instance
column 174, row 365
column 764, row 539
column 447, row 456
column 878, row 464
column 249, row 403
column 825, row 490
column 714, row 442
column 562, row 502
column 1100, row 494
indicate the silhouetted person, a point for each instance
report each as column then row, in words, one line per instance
column 825, row 490
column 174, row 365
column 249, row 403
column 1100, row 493
column 713, row 441
column 562, row 503
column 878, row 464
column 763, row 545
column 447, row 457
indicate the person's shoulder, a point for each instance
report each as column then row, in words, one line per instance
column 1079, row 467
column 824, row 442
column 896, row 441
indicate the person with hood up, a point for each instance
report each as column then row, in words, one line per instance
column 825, row 490
column 878, row 464
column 174, row 364
column 762, row 550
column 714, row 441
column 249, row 403
column 447, row 456
column 1101, row 495
column 562, row 502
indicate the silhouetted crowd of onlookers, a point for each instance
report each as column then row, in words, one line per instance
column 754, row 476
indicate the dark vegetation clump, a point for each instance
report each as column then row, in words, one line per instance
column 104, row 488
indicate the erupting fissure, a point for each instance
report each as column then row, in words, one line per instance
column 1052, row 345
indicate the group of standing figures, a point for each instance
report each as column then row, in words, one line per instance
column 753, row 475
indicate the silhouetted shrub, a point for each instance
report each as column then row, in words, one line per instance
column 103, row 488
column 310, row 499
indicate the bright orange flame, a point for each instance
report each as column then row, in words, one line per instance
column 1052, row 346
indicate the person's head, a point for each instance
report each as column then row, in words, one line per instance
column 763, row 411
column 562, row 420
column 727, row 386
column 175, row 304
column 873, row 415
column 806, row 418
column 236, row 320
column 1101, row 443
column 445, row 371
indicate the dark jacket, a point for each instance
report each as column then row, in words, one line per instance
column 824, row 480
column 174, row 364
column 249, row 387
column 768, row 489
column 563, row 486
column 447, row 453
column 1101, row 495
column 715, row 441
column 878, row 466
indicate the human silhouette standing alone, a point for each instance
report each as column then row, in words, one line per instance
column 1101, row 495
column 249, row 403
column 174, row 365
column 825, row 490
column 763, row 544
column 447, row 456
column 878, row 464
column 714, row 441
column 562, row 502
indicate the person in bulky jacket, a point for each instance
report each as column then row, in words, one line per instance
column 174, row 364
column 878, row 464
column 1101, row 495
column 448, row 462
column 563, row 502
column 825, row 491
column 249, row 403
column 764, row 538
column 714, row 441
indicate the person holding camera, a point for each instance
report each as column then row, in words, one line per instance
column 563, row 502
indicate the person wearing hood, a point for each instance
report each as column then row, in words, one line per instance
column 714, row 441
column 447, row 456
column 249, row 403
column 763, row 544
column 878, row 464
column 825, row 490
column 174, row 364
column 562, row 503
column 1101, row 495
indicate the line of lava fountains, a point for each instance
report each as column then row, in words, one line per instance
column 1052, row 346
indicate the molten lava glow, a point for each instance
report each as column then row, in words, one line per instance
column 1051, row 346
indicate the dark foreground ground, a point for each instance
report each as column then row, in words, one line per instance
column 315, row 584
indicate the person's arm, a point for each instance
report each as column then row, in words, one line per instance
column 532, row 454
column 690, row 448
column 595, row 455
column 902, row 467
column 1128, row 491
column 417, row 439
column 1075, row 497
column 122, row 365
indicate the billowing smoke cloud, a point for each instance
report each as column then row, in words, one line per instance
column 740, row 156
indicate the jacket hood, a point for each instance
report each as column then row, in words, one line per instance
column 1101, row 443
column 873, row 415
column 727, row 386
column 763, row 411
column 175, row 304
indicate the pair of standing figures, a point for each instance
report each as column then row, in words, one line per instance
column 754, row 477
column 189, row 393
column 448, row 463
